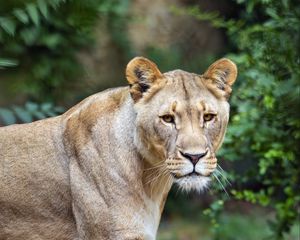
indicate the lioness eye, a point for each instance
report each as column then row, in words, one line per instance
column 208, row 117
column 168, row 118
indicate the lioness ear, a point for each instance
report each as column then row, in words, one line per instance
column 221, row 75
column 141, row 74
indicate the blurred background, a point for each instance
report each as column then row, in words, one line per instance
column 54, row 53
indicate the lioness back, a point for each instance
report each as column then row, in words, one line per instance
column 34, row 182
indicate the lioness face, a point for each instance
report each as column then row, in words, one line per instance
column 181, row 118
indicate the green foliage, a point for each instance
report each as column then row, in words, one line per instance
column 116, row 14
column 213, row 212
column 250, row 225
column 43, row 38
column 30, row 112
column 263, row 136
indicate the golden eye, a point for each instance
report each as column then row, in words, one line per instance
column 168, row 118
column 208, row 117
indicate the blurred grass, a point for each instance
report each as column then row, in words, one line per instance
column 235, row 226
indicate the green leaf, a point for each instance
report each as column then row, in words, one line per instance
column 8, row 25
column 31, row 107
column 52, row 40
column 33, row 13
column 39, row 115
column 7, row 116
column 22, row 114
column 56, row 3
column 30, row 35
column 59, row 109
column 272, row 13
column 42, row 5
column 51, row 114
column 8, row 62
column 21, row 15
column 46, row 107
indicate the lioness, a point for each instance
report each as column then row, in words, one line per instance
column 103, row 169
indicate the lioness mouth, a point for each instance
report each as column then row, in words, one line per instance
column 191, row 174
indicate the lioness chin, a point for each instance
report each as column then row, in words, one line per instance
column 103, row 169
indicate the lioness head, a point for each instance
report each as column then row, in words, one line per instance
column 181, row 117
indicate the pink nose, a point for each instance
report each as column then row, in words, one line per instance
column 194, row 158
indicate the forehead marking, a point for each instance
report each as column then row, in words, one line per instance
column 203, row 106
column 185, row 79
column 174, row 104
column 187, row 97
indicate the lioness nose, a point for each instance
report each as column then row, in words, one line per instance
column 194, row 158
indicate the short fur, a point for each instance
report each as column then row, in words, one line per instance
column 104, row 168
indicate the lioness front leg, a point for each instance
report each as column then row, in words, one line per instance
column 99, row 215
column 89, row 208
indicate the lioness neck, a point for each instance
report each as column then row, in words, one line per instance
column 155, row 184
column 100, row 131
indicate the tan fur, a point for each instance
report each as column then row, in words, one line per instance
column 104, row 168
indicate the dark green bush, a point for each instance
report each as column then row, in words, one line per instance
column 39, row 44
column 43, row 38
column 262, row 141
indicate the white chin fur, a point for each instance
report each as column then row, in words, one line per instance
column 193, row 183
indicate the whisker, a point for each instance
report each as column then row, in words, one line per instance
column 157, row 165
column 224, row 172
column 224, row 177
column 156, row 172
column 221, row 184
column 153, row 177
column 159, row 177
column 166, row 183
column 156, row 175
column 152, row 181
column 220, row 168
